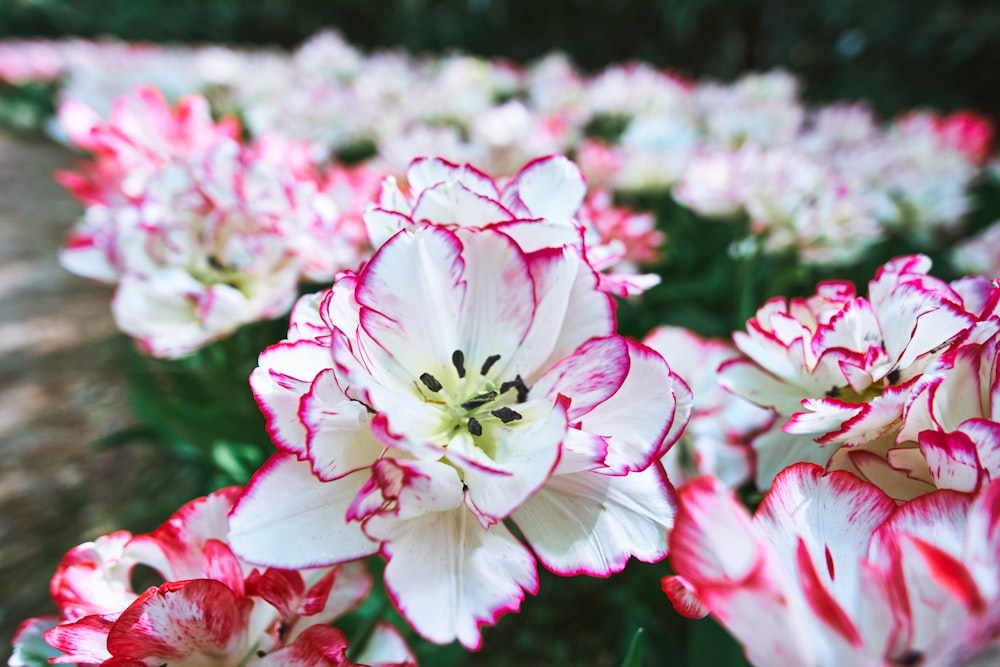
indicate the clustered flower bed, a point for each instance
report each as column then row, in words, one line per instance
column 436, row 273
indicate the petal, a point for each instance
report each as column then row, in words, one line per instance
column 84, row 641
column 834, row 516
column 177, row 548
column 181, row 621
column 589, row 523
column 339, row 433
column 448, row 576
column 288, row 518
column 453, row 203
column 386, row 648
column 645, row 416
column 952, row 460
column 589, row 376
column 282, row 377
column 550, row 187
column 569, row 311
column 683, row 597
column 318, row 646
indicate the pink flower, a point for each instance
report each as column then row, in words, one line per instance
column 829, row 572
column 142, row 134
column 211, row 605
column 618, row 241
column 455, row 382
column 950, row 436
column 968, row 132
column 837, row 368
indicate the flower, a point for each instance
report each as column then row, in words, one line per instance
column 211, row 605
column 457, row 382
column 199, row 233
column 716, row 440
column 842, row 576
column 837, row 368
column 542, row 206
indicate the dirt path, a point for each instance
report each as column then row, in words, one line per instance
column 60, row 389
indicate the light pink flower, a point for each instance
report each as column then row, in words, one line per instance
column 829, row 572
column 455, row 382
column 211, row 604
column 716, row 440
column 980, row 253
column 837, row 368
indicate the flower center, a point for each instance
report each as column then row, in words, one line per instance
column 471, row 405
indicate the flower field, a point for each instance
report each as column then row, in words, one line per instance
column 451, row 360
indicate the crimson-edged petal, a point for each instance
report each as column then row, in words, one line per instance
column 183, row 622
column 589, row 523
column 448, row 575
column 284, row 374
column 288, row 518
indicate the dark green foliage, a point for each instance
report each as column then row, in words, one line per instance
column 898, row 55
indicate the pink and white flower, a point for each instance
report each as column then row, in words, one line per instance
column 458, row 381
column 842, row 576
column 837, row 368
column 142, row 134
column 199, row 233
column 543, row 206
column 211, row 606
column 717, row 439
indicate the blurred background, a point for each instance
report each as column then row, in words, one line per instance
column 71, row 468
column 897, row 55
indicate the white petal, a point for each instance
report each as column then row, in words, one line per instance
column 448, row 576
column 551, row 187
column 590, row 523
column 288, row 518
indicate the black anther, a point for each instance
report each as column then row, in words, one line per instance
column 475, row 428
column 488, row 364
column 476, row 401
column 458, row 359
column 430, row 382
column 516, row 383
column 506, row 415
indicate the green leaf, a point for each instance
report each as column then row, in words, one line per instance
column 633, row 658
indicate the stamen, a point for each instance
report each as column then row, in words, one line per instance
column 430, row 382
column 369, row 408
column 458, row 360
column 488, row 364
column 516, row 383
column 476, row 401
column 506, row 415
column 475, row 428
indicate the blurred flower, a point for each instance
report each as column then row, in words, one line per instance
column 716, row 441
column 837, row 369
column 212, row 605
column 979, row 253
column 842, row 576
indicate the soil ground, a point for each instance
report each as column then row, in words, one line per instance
column 61, row 389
